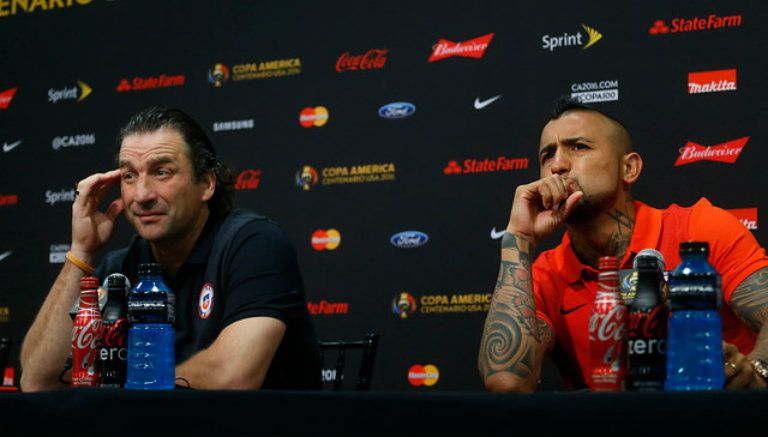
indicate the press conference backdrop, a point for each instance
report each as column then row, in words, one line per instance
column 386, row 138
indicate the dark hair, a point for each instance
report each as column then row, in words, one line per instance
column 567, row 103
column 199, row 149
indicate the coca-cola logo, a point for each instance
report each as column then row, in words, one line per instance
column 116, row 334
column 473, row 48
column 248, row 180
column 646, row 324
column 87, row 336
column 609, row 326
column 372, row 59
column 726, row 152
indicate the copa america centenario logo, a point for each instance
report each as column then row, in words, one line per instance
column 218, row 74
column 403, row 305
column 306, row 178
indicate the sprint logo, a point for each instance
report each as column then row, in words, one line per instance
column 572, row 39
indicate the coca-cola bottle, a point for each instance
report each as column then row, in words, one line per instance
column 113, row 347
column 608, row 330
column 86, row 333
column 648, row 318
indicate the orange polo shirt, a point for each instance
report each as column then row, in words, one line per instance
column 565, row 289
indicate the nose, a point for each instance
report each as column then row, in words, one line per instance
column 145, row 193
column 560, row 163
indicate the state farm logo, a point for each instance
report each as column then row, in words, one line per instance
column 218, row 74
column 248, row 123
column 473, row 48
column 726, row 152
column 70, row 93
column 9, row 199
column 248, row 179
column 372, row 59
column 598, row 91
column 317, row 116
column 325, row 239
column 54, row 197
column 325, row 308
column 679, row 25
column 712, row 81
column 403, row 305
column 58, row 253
column 487, row 165
column 6, row 97
column 747, row 217
column 308, row 177
column 150, row 82
column 572, row 39
column 266, row 69
column 73, row 141
column 419, row 375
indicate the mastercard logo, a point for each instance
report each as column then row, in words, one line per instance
column 316, row 116
column 326, row 239
column 419, row 375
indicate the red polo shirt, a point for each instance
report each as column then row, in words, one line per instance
column 564, row 288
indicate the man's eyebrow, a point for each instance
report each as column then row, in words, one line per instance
column 567, row 141
column 157, row 160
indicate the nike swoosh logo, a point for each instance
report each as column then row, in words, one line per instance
column 484, row 103
column 564, row 311
column 5, row 255
column 8, row 147
column 496, row 235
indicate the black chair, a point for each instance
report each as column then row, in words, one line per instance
column 367, row 345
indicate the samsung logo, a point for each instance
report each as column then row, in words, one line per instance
column 409, row 239
column 397, row 110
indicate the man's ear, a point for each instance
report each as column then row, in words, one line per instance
column 631, row 166
column 208, row 181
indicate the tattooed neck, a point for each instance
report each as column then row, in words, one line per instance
column 618, row 224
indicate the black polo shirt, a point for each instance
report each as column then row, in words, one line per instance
column 257, row 274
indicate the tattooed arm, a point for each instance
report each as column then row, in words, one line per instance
column 514, row 339
column 750, row 302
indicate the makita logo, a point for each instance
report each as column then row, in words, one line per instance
column 6, row 97
column 233, row 125
column 372, row 59
column 726, row 152
column 695, row 24
column 152, row 82
column 712, row 81
column 486, row 165
column 73, row 141
column 474, row 48
column 326, row 308
column 572, row 39
column 747, row 217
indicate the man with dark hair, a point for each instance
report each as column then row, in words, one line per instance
column 254, row 330
column 588, row 165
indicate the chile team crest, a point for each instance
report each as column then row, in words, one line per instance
column 205, row 305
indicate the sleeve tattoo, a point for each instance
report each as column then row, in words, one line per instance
column 750, row 302
column 513, row 336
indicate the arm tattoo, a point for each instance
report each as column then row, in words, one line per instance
column 750, row 299
column 512, row 337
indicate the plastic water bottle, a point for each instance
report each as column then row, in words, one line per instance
column 695, row 351
column 151, row 363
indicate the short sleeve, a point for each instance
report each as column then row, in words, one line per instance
column 734, row 251
column 262, row 275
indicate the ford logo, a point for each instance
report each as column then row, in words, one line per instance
column 397, row 110
column 409, row 239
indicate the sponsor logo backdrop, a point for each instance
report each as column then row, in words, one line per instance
column 387, row 148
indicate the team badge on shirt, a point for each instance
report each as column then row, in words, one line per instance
column 205, row 305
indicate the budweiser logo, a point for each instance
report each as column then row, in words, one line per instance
column 474, row 48
column 373, row 58
column 712, row 81
column 726, row 152
column 747, row 217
